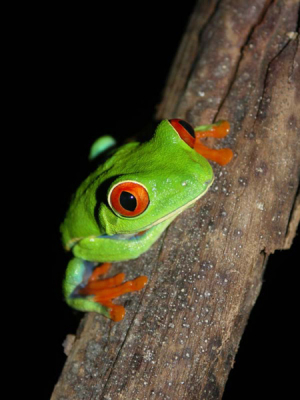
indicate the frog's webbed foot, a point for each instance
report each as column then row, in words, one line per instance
column 85, row 291
column 105, row 290
column 218, row 130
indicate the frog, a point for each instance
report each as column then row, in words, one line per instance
column 127, row 202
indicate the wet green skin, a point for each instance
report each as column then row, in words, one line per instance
column 174, row 175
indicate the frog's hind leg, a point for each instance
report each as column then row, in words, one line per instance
column 218, row 130
column 84, row 290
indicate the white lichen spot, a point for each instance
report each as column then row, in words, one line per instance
column 242, row 181
column 260, row 206
column 292, row 35
column 148, row 356
column 225, row 231
column 259, row 170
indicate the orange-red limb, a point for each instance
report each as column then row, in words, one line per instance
column 127, row 287
column 98, row 271
column 218, row 130
column 92, row 287
column 221, row 156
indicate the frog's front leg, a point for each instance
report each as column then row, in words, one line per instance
column 84, row 290
column 218, row 130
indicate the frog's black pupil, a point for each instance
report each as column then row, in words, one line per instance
column 187, row 127
column 128, row 201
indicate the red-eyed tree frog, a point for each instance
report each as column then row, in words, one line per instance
column 122, row 208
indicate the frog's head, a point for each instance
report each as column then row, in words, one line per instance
column 154, row 181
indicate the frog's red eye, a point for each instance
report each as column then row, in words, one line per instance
column 184, row 130
column 129, row 198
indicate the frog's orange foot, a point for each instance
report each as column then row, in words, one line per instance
column 105, row 290
column 218, row 130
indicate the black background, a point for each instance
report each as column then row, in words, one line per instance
column 102, row 70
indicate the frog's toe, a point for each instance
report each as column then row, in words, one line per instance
column 116, row 312
column 98, row 271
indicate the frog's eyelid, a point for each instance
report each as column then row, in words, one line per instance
column 183, row 130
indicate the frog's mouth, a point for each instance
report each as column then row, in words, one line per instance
column 126, row 236
column 143, row 232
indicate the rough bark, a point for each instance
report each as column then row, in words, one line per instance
column 238, row 61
